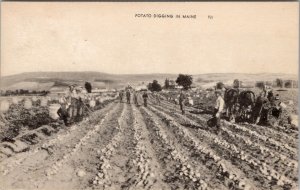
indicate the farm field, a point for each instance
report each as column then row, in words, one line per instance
column 125, row 146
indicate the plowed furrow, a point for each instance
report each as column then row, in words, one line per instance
column 89, row 145
column 281, row 148
column 181, row 160
column 148, row 173
column 51, row 165
column 280, row 161
column 57, row 141
column 230, row 152
column 106, row 167
column 282, row 135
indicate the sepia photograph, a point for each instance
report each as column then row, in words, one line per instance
column 149, row 95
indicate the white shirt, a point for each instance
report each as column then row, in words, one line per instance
column 220, row 104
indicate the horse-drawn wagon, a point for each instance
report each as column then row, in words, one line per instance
column 246, row 106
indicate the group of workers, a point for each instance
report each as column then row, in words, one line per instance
column 72, row 103
column 135, row 97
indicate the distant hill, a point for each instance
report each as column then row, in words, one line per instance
column 47, row 80
column 97, row 79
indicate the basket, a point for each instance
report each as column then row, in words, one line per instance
column 15, row 100
column 4, row 106
column 92, row 103
column 34, row 98
column 27, row 104
column 44, row 102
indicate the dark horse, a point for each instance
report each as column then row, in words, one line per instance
column 239, row 105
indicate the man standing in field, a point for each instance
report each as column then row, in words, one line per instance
column 135, row 98
column 128, row 96
column 121, row 96
column 69, row 105
column 182, row 99
column 63, row 110
column 157, row 98
column 145, row 97
column 219, row 109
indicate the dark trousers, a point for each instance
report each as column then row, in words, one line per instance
column 63, row 114
column 158, row 100
column 135, row 100
column 75, row 111
column 145, row 102
column 217, row 119
column 128, row 99
column 182, row 107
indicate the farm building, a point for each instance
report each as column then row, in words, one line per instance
column 174, row 85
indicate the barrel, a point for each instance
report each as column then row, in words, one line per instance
column 92, row 103
column 4, row 106
column 53, row 108
column 27, row 104
column 34, row 98
column 291, row 102
column 191, row 101
column 283, row 105
column 15, row 100
column 293, row 120
column 44, row 102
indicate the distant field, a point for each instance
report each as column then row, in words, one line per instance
column 46, row 80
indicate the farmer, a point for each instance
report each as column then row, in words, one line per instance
column 182, row 99
column 157, row 98
column 145, row 97
column 277, row 106
column 82, row 95
column 63, row 110
column 135, row 98
column 74, row 101
column 121, row 96
column 219, row 107
column 67, row 102
column 128, row 96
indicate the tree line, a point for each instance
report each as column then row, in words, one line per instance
column 21, row 92
column 185, row 81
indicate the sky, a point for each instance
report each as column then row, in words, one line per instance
column 107, row 37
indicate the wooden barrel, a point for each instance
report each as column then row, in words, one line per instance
column 293, row 119
column 283, row 105
column 34, row 98
column 27, row 104
column 53, row 108
column 92, row 103
column 44, row 102
column 15, row 100
column 191, row 101
column 4, row 106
